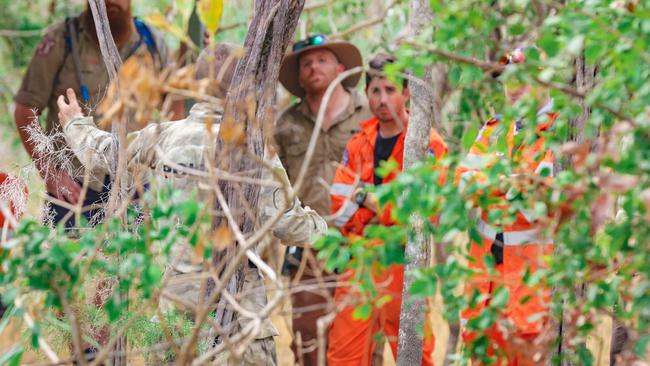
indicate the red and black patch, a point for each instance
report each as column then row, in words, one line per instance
column 46, row 46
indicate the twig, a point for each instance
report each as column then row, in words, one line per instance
column 492, row 67
column 41, row 342
column 20, row 33
column 366, row 23
column 74, row 326
column 316, row 6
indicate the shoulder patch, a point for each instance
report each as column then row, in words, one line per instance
column 46, row 45
column 345, row 158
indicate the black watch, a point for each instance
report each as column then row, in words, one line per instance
column 360, row 197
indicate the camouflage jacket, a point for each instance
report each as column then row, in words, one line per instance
column 175, row 153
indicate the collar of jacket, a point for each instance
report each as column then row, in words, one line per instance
column 370, row 129
column 200, row 111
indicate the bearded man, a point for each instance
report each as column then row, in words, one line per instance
column 69, row 56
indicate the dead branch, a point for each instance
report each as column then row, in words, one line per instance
column 366, row 23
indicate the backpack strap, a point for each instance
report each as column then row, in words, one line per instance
column 72, row 42
column 146, row 37
column 70, row 33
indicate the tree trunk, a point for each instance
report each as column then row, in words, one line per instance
column 113, row 62
column 249, row 105
column 584, row 81
column 412, row 312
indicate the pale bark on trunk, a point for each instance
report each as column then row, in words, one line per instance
column 585, row 79
column 113, row 62
column 250, row 103
column 413, row 310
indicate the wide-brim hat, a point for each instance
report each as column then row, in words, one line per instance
column 347, row 54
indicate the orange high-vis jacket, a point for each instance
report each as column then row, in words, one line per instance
column 524, row 240
column 357, row 170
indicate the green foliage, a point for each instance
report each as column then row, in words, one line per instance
column 606, row 255
column 126, row 264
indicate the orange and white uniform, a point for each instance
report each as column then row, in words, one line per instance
column 517, row 247
column 351, row 340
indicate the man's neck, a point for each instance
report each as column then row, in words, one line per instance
column 393, row 127
column 121, row 34
column 338, row 102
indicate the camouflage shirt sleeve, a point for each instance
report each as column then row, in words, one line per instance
column 296, row 225
column 38, row 82
column 94, row 147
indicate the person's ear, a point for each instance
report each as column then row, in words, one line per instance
column 340, row 68
column 406, row 92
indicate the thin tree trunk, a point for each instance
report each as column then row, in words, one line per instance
column 412, row 312
column 113, row 62
column 250, row 104
column 585, row 78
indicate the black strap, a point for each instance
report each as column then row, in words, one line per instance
column 497, row 248
column 68, row 43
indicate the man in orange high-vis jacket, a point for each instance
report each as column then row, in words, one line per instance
column 518, row 246
column 351, row 341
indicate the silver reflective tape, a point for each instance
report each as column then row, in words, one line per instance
column 476, row 161
column 464, row 178
column 341, row 189
column 545, row 165
column 513, row 238
column 345, row 216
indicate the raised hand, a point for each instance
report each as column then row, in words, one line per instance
column 68, row 111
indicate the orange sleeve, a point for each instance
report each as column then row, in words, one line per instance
column 349, row 217
column 439, row 149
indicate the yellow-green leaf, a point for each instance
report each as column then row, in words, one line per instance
column 209, row 12
column 158, row 20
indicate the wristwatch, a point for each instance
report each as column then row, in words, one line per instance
column 360, row 197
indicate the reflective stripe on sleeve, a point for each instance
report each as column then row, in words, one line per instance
column 545, row 165
column 341, row 189
column 475, row 161
column 348, row 210
column 513, row 238
column 464, row 178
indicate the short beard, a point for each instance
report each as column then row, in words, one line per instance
column 119, row 22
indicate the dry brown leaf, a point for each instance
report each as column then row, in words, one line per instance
column 231, row 131
column 618, row 183
column 601, row 210
column 223, row 237
column 578, row 153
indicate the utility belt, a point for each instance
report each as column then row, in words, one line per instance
column 501, row 239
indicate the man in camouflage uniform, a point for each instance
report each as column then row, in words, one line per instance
column 68, row 56
column 164, row 149
column 307, row 72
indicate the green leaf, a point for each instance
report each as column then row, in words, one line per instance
column 500, row 297
column 35, row 334
column 425, row 286
column 502, row 144
column 641, row 346
column 362, row 312
column 484, row 320
column 13, row 356
column 209, row 12
column 469, row 137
